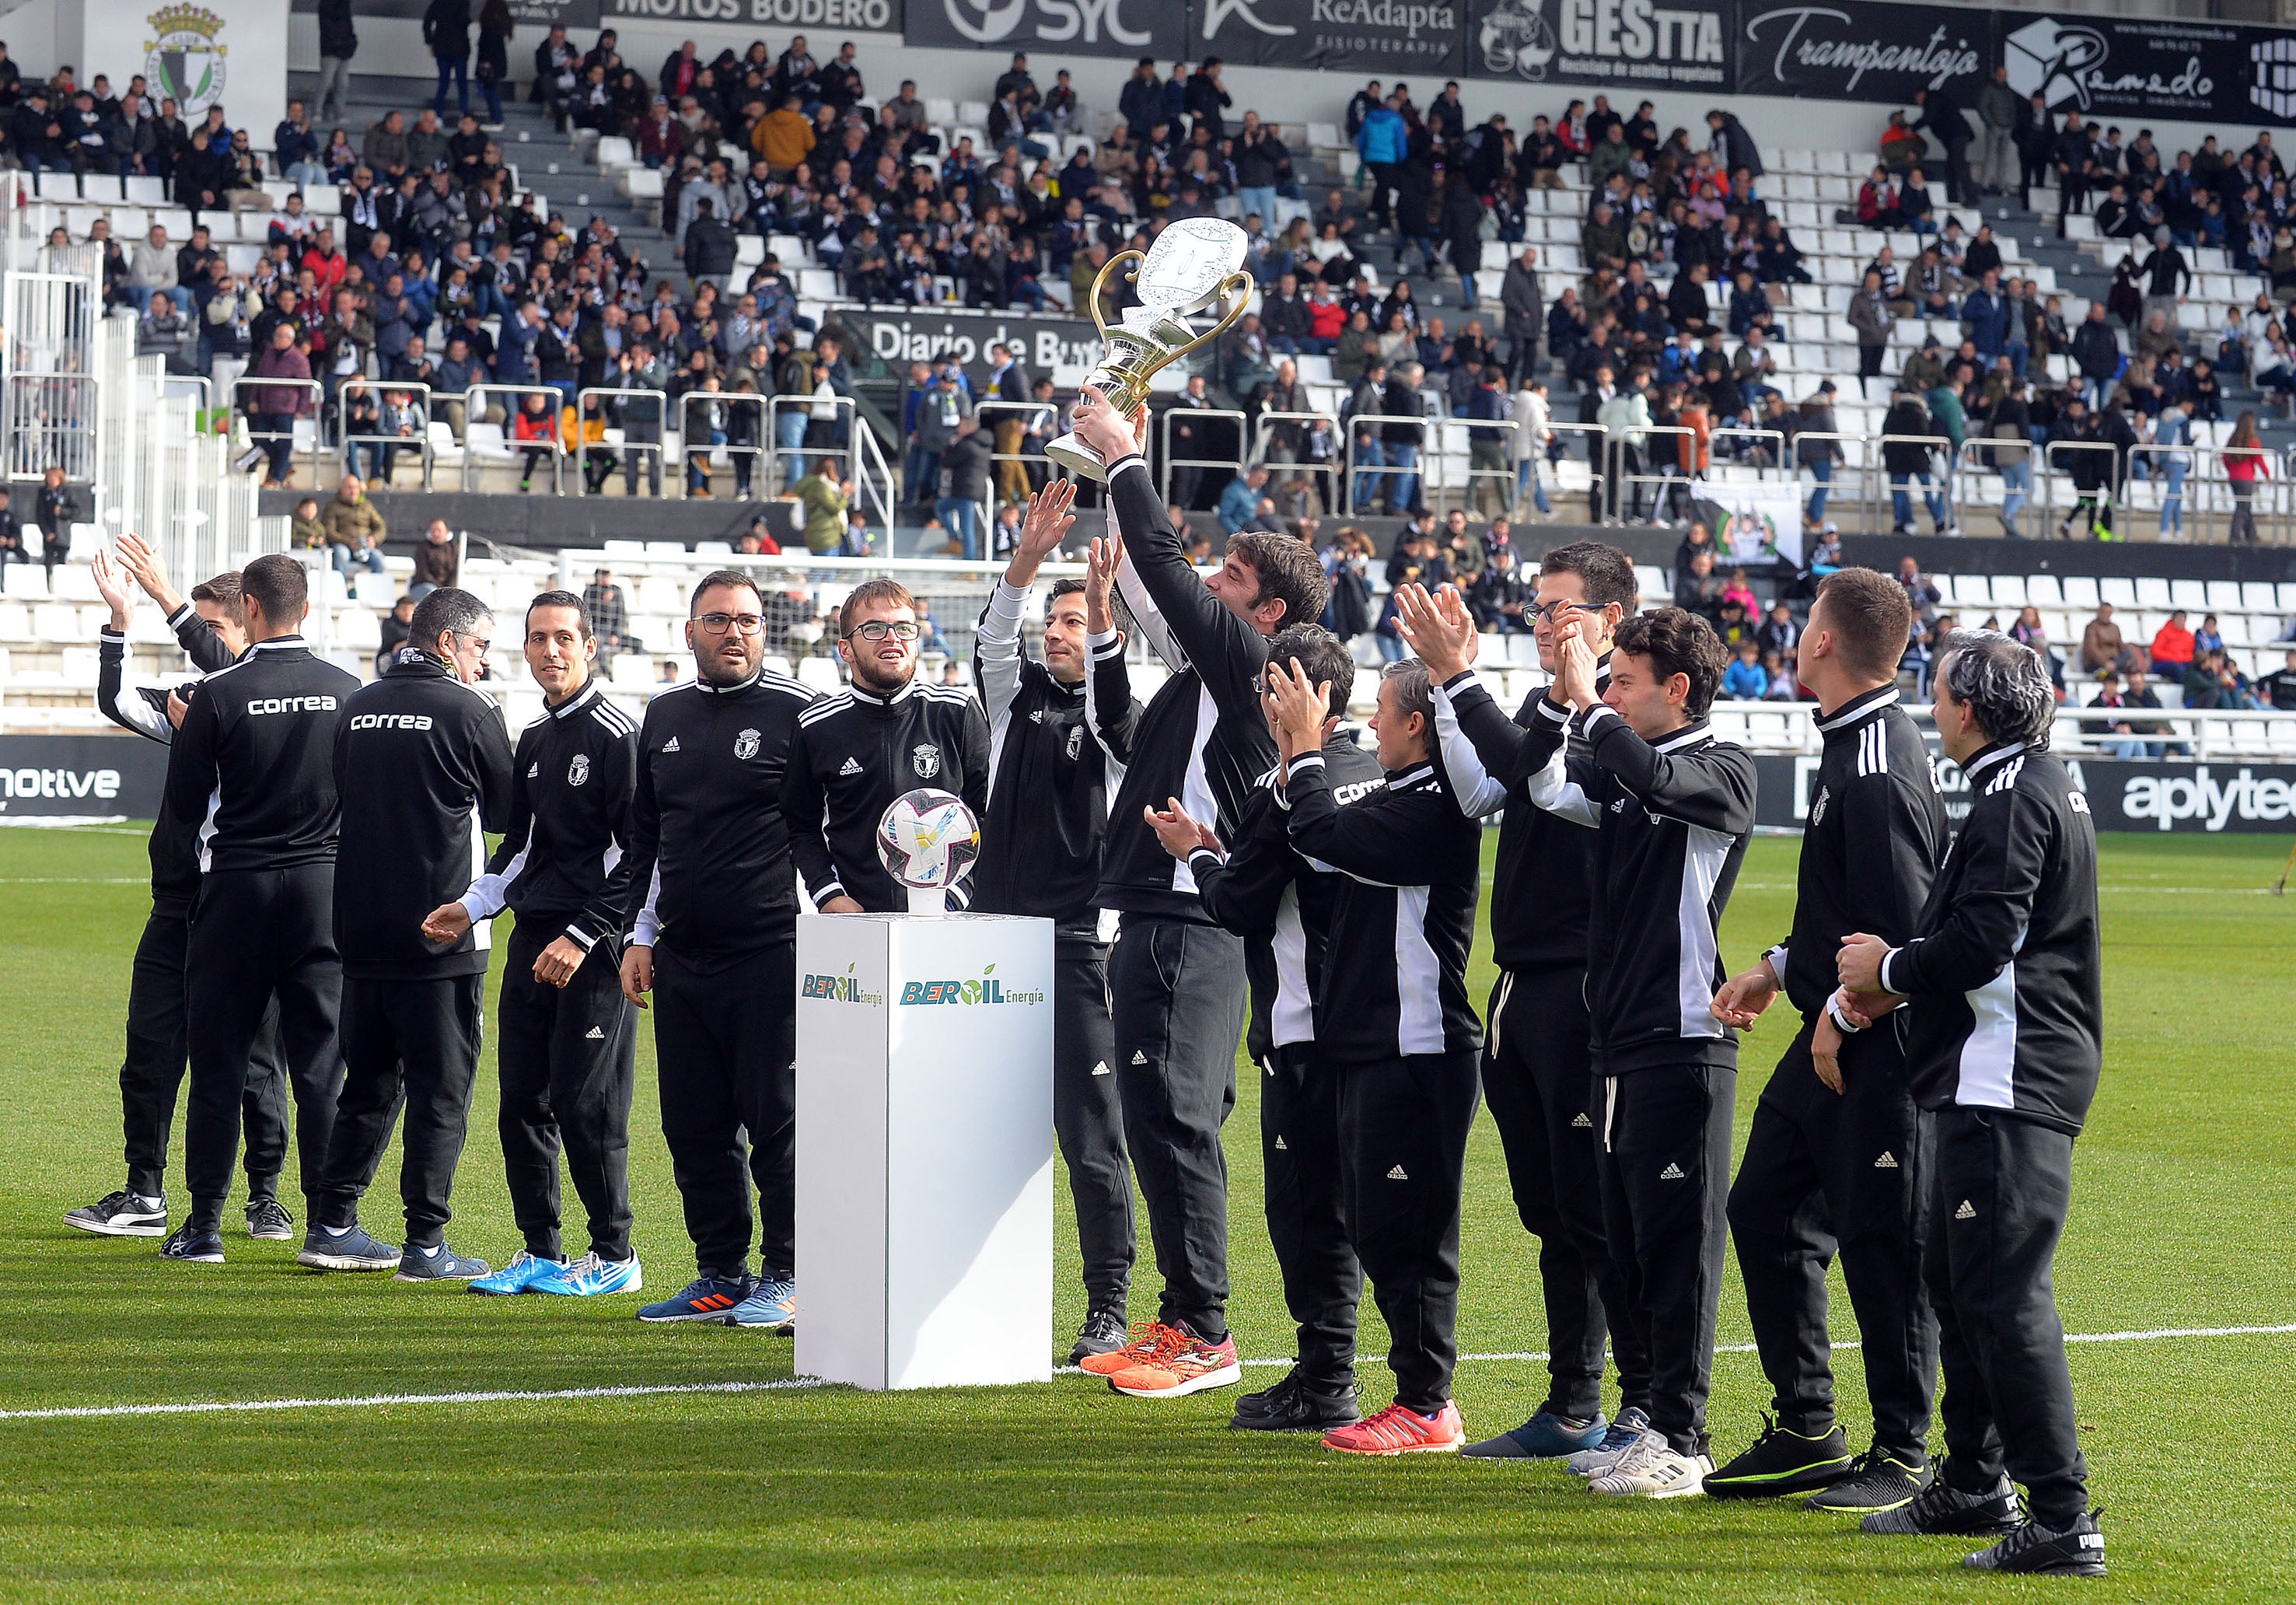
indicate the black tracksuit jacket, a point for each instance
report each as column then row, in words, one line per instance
column 175, row 846
column 252, row 769
column 1056, row 755
column 854, row 756
column 1672, row 821
column 422, row 767
column 2007, row 1008
column 1202, row 738
column 571, row 779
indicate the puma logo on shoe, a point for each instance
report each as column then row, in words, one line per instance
column 1397, row 1174
column 1102, row 1068
column 852, row 766
column 1967, row 1212
column 1672, row 1173
column 594, row 1034
column 670, row 745
column 1582, row 1123
column 1888, row 1161
column 1139, row 1056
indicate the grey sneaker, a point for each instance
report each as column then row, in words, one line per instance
column 121, row 1214
column 1654, row 1469
column 268, row 1220
column 1942, row 1508
column 438, row 1263
column 355, row 1249
column 1629, row 1430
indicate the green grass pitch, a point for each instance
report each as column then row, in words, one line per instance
column 2184, row 1217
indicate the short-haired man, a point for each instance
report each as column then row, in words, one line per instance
column 1671, row 808
column 707, row 838
column 568, row 1051
column 1395, row 1026
column 210, row 630
column 2004, row 1049
column 1536, row 1051
column 1059, row 733
column 423, row 768
column 252, row 771
column 1259, row 886
column 1837, row 1158
column 1176, row 980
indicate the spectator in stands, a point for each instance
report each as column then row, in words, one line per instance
column 438, row 560
column 824, row 496
column 1745, row 680
column 2277, row 690
column 1909, row 458
column 965, row 465
column 354, row 533
column 2115, row 737
column 2173, row 648
column 496, row 24
column 2244, row 460
column 1239, row 501
column 2097, row 354
column 2103, row 646
column 273, row 408
column 447, row 32
column 610, row 616
column 1870, row 319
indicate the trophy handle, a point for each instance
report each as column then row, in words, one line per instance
column 1237, row 287
column 1100, row 281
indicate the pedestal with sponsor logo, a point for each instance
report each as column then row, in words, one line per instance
column 924, row 1149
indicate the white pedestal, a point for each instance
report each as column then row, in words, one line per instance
column 924, row 1149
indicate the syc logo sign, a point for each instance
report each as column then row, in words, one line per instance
column 987, row 989
column 840, row 989
column 1058, row 21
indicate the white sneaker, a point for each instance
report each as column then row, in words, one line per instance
column 1628, row 1434
column 1653, row 1470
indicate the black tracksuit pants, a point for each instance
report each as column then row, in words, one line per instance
column 1826, row 1173
column 258, row 934
column 151, row 1072
column 726, row 1039
column 568, row 1061
column 1664, row 1165
column 1998, row 1202
column 1535, row 1080
column 1177, row 1000
column 1088, row 1119
column 1403, row 1148
column 1305, row 1185
column 410, row 1044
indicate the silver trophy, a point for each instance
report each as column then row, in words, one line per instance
column 1195, row 266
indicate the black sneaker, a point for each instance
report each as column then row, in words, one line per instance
column 194, row 1245
column 122, row 1215
column 268, row 1220
column 1103, row 1332
column 1297, row 1405
column 1942, row 1508
column 1875, row 1481
column 2074, row 1551
column 1782, row 1462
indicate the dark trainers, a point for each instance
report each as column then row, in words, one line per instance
column 269, row 1221
column 194, row 1245
column 437, row 1263
column 2072, row 1551
column 352, row 1250
column 1544, row 1436
column 1875, row 1481
column 1782, row 1462
column 121, row 1214
column 1942, row 1508
column 1103, row 1332
column 1297, row 1405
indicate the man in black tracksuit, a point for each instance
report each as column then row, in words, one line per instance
column 1838, row 1157
column 1176, row 980
column 208, row 628
column 1395, row 1026
column 2003, row 1044
column 252, row 772
column 1535, row 1057
column 714, row 939
column 1281, row 903
column 568, row 1052
column 859, row 751
column 1059, row 733
column 1672, row 807
column 422, row 767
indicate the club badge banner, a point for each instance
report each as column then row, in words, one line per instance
column 1761, row 520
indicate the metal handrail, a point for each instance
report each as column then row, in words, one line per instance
column 1597, row 437
column 762, row 451
column 473, row 404
column 658, row 445
column 776, row 405
column 2196, row 455
column 1264, row 430
column 2049, row 463
column 1714, row 437
column 1876, row 480
column 343, row 437
column 1504, row 430
column 1347, row 450
column 319, row 400
column 1164, row 445
column 1618, row 481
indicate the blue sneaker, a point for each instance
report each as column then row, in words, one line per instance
column 520, row 1276
column 194, row 1245
column 706, row 1298
column 351, row 1250
column 771, row 1304
column 439, row 1262
column 1546, row 1436
column 590, row 1275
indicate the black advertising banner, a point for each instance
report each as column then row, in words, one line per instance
column 536, row 15
column 99, row 776
column 899, row 339
column 2127, row 67
column 1623, row 46
column 1863, row 52
column 2123, row 794
column 1392, row 38
column 1057, row 27
column 842, row 16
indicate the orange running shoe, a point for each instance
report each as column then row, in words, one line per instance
column 1191, row 1367
column 1152, row 1342
column 1400, row 1429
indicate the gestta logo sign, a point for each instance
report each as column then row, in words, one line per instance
column 987, row 989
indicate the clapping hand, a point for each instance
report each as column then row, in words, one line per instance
column 1302, row 708
column 1100, row 578
column 1437, row 627
column 1179, row 834
column 1574, row 665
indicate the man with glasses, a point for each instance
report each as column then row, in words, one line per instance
column 713, row 940
column 422, row 767
column 859, row 751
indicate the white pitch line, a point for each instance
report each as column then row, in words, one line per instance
column 790, row 1384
